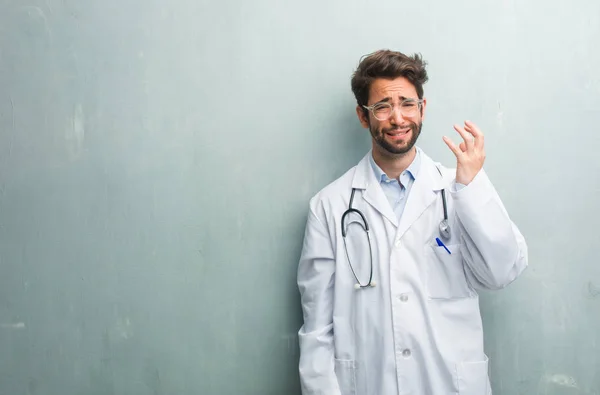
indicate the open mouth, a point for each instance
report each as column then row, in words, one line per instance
column 398, row 133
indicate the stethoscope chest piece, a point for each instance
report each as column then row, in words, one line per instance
column 444, row 226
column 445, row 229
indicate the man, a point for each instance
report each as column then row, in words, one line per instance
column 395, row 251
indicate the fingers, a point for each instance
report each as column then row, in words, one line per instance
column 467, row 137
column 473, row 140
column 476, row 133
column 452, row 146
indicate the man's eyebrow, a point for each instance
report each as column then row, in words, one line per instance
column 388, row 99
column 384, row 100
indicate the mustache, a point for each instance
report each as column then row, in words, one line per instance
column 398, row 128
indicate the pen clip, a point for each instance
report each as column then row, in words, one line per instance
column 441, row 244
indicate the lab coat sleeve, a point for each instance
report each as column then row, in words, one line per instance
column 315, row 281
column 494, row 250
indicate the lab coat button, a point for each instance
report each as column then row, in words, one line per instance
column 398, row 243
column 404, row 297
column 406, row 353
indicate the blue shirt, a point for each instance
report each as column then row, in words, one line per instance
column 397, row 190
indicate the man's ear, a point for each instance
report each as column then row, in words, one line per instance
column 423, row 109
column 363, row 116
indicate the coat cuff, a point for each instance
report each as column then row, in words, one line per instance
column 475, row 195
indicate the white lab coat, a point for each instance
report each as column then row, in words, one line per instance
column 419, row 330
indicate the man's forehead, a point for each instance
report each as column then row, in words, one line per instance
column 399, row 87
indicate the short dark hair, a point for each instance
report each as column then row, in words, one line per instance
column 390, row 65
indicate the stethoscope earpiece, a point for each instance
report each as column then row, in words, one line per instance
column 372, row 284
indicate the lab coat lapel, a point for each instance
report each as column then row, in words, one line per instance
column 364, row 178
column 422, row 194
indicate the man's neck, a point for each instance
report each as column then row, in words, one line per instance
column 394, row 165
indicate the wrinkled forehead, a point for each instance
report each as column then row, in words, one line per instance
column 392, row 90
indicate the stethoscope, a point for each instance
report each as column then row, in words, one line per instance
column 444, row 229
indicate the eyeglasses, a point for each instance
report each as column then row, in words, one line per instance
column 383, row 111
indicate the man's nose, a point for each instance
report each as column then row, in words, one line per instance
column 396, row 117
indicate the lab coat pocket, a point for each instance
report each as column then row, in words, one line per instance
column 446, row 274
column 345, row 371
column 473, row 378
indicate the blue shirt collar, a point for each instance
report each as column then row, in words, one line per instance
column 412, row 170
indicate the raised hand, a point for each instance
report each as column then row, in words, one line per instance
column 470, row 154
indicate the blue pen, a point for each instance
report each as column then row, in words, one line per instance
column 441, row 244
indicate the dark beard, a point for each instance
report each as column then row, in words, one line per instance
column 379, row 138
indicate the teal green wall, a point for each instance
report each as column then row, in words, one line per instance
column 157, row 158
